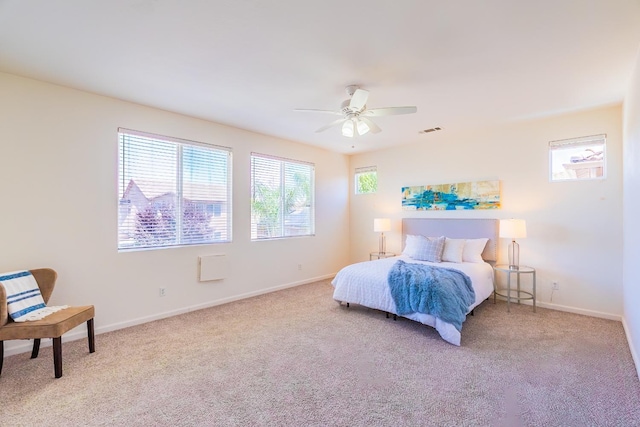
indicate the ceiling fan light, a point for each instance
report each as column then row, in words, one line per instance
column 362, row 127
column 347, row 129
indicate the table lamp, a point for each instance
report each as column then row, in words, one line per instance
column 513, row 229
column 380, row 225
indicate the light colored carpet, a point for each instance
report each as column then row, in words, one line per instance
column 297, row 358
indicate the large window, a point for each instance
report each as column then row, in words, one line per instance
column 282, row 197
column 577, row 158
column 172, row 192
column 366, row 180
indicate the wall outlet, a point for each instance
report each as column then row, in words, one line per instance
column 162, row 292
column 555, row 286
column 299, row 266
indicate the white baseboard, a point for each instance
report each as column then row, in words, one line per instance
column 582, row 311
column 634, row 355
column 569, row 309
column 81, row 331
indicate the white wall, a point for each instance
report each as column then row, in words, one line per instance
column 58, row 184
column 631, row 213
column 574, row 228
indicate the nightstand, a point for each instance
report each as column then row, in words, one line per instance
column 514, row 294
column 380, row 255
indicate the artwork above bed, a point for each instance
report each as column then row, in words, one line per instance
column 457, row 196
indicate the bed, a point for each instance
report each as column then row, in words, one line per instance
column 366, row 284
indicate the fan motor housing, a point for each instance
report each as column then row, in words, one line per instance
column 346, row 110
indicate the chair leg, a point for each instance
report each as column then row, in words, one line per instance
column 1, row 355
column 36, row 348
column 57, row 356
column 91, row 336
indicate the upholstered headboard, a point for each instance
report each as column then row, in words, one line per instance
column 455, row 229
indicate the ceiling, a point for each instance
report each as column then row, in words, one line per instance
column 250, row 63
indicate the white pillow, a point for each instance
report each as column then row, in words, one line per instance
column 411, row 245
column 473, row 248
column 453, row 250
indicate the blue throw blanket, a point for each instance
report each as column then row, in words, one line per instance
column 440, row 292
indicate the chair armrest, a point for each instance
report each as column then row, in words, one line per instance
column 4, row 311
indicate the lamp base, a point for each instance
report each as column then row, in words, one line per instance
column 382, row 247
column 514, row 256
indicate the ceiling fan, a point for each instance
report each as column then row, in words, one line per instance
column 355, row 114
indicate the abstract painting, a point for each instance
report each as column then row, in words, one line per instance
column 458, row 196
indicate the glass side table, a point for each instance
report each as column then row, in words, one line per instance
column 380, row 255
column 514, row 294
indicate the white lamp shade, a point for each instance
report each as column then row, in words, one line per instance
column 362, row 127
column 381, row 225
column 348, row 129
column 513, row 228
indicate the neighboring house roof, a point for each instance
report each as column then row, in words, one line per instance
column 142, row 192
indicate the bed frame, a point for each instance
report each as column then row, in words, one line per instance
column 456, row 229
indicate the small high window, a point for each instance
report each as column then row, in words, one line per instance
column 578, row 158
column 366, row 180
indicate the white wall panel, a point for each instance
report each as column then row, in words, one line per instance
column 631, row 275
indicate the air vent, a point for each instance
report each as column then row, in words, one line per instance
column 430, row 130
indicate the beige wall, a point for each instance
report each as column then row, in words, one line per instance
column 58, row 184
column 574, row 228
column 59, row 172
column 631, row 272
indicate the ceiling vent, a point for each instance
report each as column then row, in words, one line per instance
column 430, row 130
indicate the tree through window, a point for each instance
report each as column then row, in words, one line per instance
column 282, row 197
column 366, row 180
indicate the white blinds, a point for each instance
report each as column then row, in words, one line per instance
column 366, row 169
column 172, row 191
column 578, row 142
column 282, row 196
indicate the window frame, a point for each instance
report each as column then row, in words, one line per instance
column 282, row 218
column 179, row 189
column 362, row 171
column 576, row 144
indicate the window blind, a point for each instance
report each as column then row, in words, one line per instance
column 366, row 169
column 172, row 191
column 578, row 142
column 282, row 197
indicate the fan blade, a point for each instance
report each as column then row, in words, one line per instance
column 373, row 128
column 359, row 99
column 304, row 110
column 389, row 111
column 336, row 122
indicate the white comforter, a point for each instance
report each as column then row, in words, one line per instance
column 365, row 283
